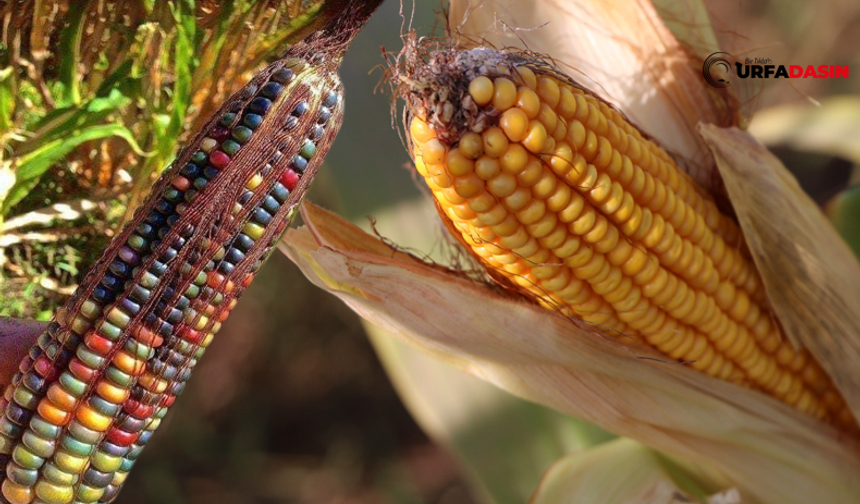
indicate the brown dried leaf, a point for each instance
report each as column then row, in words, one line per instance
column 811, row 275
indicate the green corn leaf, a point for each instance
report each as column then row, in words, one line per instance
column 7, row 99
column 30, row 167
column 69, row 50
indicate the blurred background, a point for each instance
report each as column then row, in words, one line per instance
column 291, row 403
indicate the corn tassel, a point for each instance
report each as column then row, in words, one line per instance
column 92, row 391
column 559, row 196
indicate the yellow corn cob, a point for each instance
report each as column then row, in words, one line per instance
column 556, row 193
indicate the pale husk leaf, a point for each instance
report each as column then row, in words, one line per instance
column 468, row 417
column 618, row 48
column 811, row 276
column 769, row 451
column 622, row 471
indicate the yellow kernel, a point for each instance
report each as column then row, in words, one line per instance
column 546, row 185
column 576, row 135
column 502, row 185
column 458, row 164
column 518, row 199
column 495, row 142
column 515, row 124
column 567, row 103
column 548, row 90
column 514, row 159
column 481, row 90
column 560, row 131
column 433, row 152
column 92, row 419
column 482, row 202
column 562, row 159
column 505, row 94
column 487, row 167
column 527, row 75
column 531, row 173
column 536, row 139
column 469, row 185
column 548, row 117
column 421, row 131
column 528, row 101
column 532, row 212
column 472, row 145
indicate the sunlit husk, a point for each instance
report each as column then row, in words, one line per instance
column 769, row 451
column 811, row 276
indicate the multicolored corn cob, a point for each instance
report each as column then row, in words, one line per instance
column 559, row 196
column 89, row 396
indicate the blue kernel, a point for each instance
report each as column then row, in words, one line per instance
column 266, row 170
column 210, row 172
column 103, row 295
column 182, row 302
column 120, row 268
column 325, row 115
column 158, row 268
column 190, row 170
column 129, row 306
column 300, row 109
column 234, row 255
column 225, row 267
column 165, row 207
column 260, row 105
column 156, row 219
column 291, row 123
column 271, row 90
column 168, row 254
column 283, row 75
column 230, row 147
column 253, row 121
column 112, row 449
column 270, row 204
column 112, row 282
column 245, row 197
column 173, row 219
column 262, row 216
column 317, row 132
column 173, row 195
column 331, row 99
column 228, row 118
column 200, row 183
column 280, row 192
column 146, row 230
column 300, row 163
column 244, row 242
column 173, row 315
